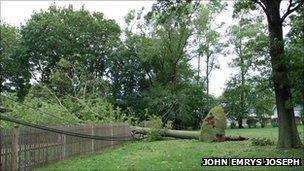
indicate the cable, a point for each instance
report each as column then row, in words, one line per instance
column 94, row 137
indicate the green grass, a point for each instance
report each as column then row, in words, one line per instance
column 180, row 154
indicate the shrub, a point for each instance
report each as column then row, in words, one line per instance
column 155, row 133
column 252, row 122
column 169, row 125
column 233, row 125
column 274, row 123
column 189, row 128
column 262, row 142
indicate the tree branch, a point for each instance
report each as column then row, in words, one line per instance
column 149, row 76
column 263, row 7
column 291, row 10
column 82, row 103
column 54, row 95
column 212, row 63
column 289, row 6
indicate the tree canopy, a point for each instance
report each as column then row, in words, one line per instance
column 86, row 68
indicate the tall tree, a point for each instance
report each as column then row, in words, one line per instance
column 288, row 133
column 130, row 69
column 14, row 66
column 151, row 74
column 295, row 53
column 261, row 99
column 75, row 35
column 237, row 105
column 244, row 38
column 172, row 24
column 208, row 38
column 7, row 44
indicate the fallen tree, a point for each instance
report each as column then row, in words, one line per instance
column 213, row 129
column 168, row 133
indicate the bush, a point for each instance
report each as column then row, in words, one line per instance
column 187, row 111
column 189, row 128
column 252, row 122
column 233, row 125
column 274, row 123
column 155, row 133
column 169, row 125
column 262, row 142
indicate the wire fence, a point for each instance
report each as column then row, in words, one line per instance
column 29, row 148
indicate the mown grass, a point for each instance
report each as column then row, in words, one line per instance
column 181, row 154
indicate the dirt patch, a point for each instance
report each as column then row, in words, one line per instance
column 239, row 138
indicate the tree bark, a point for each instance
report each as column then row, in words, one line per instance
column 1, row 81
column 2, row 78
column 263, row 122
column 288, row 133
column 207, row 75
column 169, row 133
column 185, row 134
column 242, row 86
column 198, row 68
column 243, row 111
column 240, row 122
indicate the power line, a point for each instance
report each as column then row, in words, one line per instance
column 59, row 131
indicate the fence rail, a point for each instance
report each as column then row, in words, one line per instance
column 29, row 148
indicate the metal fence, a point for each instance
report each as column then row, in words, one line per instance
column 29, row 148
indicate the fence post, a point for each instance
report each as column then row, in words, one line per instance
column 63, row 146
column 15, row 148
column 126, row 131
column 112, row 134
column 92, row 140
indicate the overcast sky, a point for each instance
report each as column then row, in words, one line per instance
column 17, row 12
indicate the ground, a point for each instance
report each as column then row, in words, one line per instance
column 176, row 154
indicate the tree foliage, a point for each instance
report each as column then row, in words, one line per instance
column 276, row 16
column 85, row 68
column 151, row 74
column 79, row 65
column 14, row 72
column 247, row 92
column 77, row 36
column 295, row 53
column 208, row 38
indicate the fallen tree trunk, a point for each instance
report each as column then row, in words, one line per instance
column 212, row 129
column 168, row 133
column 183, row 134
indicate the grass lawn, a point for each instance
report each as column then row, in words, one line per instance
column 179, row 154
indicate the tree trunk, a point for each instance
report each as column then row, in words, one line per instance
column 198, row 68
column 240, row 122
column 302, row 114
column 208, row 70
column 288, row 133
column 207, row 75
column 263, row 122
column 170, row 133
column 1, row 79
column 185, row 134
column 243, row 111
